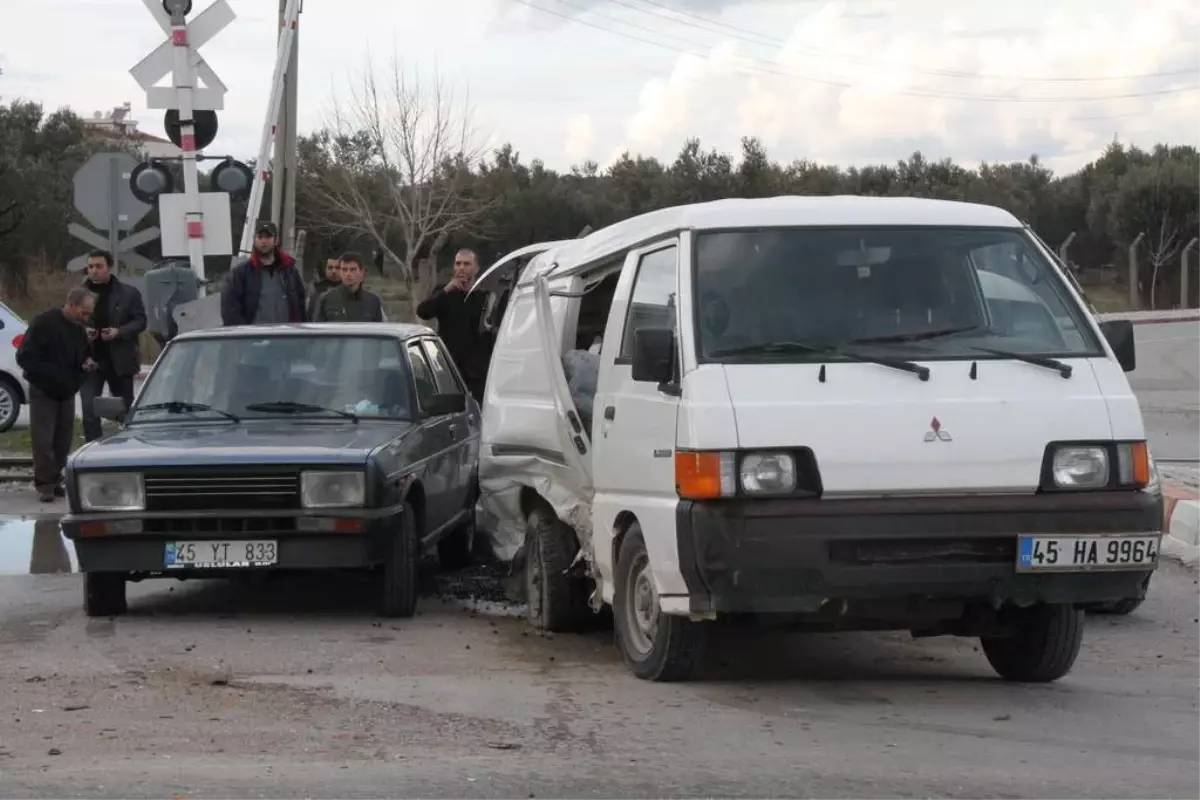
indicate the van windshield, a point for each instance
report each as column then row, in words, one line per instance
column 806, row 295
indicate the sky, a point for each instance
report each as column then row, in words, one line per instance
column 848, row 82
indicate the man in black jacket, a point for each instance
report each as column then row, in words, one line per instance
column 332, row 280
column 54, row 355
column 458, row 317
column 266, row 288
column 118, row 320
column 349, row 302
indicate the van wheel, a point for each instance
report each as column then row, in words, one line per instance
column 104, row 594
column 656, row 647
column 400, row 568
column 1042, row 649
column 557, row 601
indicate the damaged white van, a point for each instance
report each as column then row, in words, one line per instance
column 836, row 412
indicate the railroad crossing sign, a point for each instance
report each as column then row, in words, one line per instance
column 103, row 197
column 161, row 61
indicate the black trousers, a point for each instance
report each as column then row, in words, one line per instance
column 93, row 387
column 51, row 429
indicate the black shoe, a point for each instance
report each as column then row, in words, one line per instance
column 46, row 497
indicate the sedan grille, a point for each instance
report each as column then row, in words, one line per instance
column 215, row 492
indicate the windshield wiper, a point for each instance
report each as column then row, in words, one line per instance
column 288, row 407
column 916, row 336
column 1062, row 367
column 185, row 407
column 774, row 348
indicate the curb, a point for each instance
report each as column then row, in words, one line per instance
column 1181, row 524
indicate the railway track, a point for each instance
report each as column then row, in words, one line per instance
column 16, row 469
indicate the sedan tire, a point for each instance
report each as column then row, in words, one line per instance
column 400, row 568
column 10, row 404
column 104, row 594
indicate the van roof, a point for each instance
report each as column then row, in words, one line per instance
column 774, row 212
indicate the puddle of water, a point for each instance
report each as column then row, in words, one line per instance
column 35, row 547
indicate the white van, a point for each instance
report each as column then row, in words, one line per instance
column 835, row 412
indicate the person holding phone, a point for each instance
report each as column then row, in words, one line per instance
column 118, row 320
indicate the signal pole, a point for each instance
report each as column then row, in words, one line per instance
column 283, row 181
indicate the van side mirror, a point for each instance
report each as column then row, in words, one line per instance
column 112, row 408
column 1119, row 333
column 441, row 404
column 654, row 355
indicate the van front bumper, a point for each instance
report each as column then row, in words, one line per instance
column 801, row 555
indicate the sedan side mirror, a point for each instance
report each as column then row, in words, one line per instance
column 1119, row 333
column 441, row 404
column 112, row 408
column 654, row 355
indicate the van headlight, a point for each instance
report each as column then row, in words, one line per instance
column 1080, row 467
column 768, row 473
column 322, row 489
column 111, row 491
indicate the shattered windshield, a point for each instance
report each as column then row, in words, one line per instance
column 912, row 293
column 290, row 376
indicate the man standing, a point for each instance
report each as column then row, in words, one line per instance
column 349, row 302
column 54, row 357
column 266, row 288
column 458, row 317
column 332, row 279
column 119, row 318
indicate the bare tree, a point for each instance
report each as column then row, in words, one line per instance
column 1162, row 247
column 396, row 168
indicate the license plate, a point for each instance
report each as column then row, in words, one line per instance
column 221, row 554
column 1084, row 553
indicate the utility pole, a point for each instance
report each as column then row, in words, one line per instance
column 283, row 181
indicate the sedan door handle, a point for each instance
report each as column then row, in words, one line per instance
column 610, row 413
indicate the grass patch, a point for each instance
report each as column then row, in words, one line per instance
column 1108, row 299
column 16, row 442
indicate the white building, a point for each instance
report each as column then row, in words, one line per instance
column 118, row 126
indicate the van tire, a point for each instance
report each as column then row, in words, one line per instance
column 104, row 594
column 557, row 601
column 1043, row 647
column 399, row 579
column 675, row 649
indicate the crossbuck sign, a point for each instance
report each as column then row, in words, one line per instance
column 158, row 65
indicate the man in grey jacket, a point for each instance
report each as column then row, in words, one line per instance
column 117, row 321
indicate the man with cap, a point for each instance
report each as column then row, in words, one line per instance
column 266, row 288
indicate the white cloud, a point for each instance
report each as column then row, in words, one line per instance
column 580, row 138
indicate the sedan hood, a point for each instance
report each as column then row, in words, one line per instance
column 250, row 442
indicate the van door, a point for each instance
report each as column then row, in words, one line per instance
column 634, row 427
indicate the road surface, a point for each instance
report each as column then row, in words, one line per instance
column 297, row 689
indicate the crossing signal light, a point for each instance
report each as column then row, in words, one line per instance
column 204, row 124
column 149, row 180
column 184, row 6
column 233, row 177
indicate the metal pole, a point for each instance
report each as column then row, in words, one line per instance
column 282, row 55
column 1062, row 249
column 279, row 174
column 114, row 222
column 1135, row 301
column 288, row 217
column 1183, row 272
column 184, row 80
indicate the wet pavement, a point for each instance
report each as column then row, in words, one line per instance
column 293, row 687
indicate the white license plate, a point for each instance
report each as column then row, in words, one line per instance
column 221, row 554
column 1084, row 553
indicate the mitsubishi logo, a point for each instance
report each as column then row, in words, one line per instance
column 935, row 432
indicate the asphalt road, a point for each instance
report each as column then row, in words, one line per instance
column 297, row 689
column 1167, row 383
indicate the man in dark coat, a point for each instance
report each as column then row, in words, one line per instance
column 458, row 318
column 119, row 318
column 265, row 289
column 332, row 280
column 54, row 356
column 349, row 302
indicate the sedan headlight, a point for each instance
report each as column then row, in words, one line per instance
column 333, row 489
column 768, row 473
column 111, row 491
column 1080, row 467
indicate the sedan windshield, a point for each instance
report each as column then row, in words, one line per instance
column 904, row 293
column 231, row 379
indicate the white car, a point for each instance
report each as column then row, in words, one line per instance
column 13, row 389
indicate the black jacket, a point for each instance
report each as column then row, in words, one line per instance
column 339, row 305
column 318, row 289
column 243, row 286
column 52, row 354
column 458, row 317
column 124, row 310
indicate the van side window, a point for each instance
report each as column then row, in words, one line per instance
column 422, row 374
column 442, row 374
column 652, row 304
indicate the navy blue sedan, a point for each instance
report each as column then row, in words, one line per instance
column 317, row 446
